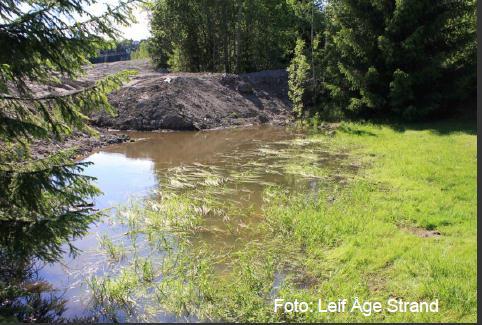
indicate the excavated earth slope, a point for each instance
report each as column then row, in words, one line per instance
column 192, row 101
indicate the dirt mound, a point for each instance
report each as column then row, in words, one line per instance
column 193, row 101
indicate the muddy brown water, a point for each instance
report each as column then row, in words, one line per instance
column 162, row 160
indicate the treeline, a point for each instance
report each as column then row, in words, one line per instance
column 408, row 59
column 225, row 36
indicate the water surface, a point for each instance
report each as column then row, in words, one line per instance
column 234, row 165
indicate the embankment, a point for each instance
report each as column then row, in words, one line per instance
column 192, row 101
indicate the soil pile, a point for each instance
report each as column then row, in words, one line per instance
column 192, row 101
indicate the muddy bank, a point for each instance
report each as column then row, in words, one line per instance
column 192, row 101
column 82, row 143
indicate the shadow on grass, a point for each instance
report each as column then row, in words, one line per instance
column 465, row 125
column 441, row 127
column 354, row 131
column 462, row 119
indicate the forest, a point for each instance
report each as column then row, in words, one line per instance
column 372, row 59
column 265, row 149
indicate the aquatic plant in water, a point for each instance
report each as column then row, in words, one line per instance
column 205, row 233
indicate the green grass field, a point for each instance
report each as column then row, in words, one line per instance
column 403, row 228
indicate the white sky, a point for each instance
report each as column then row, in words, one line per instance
column 136, row 31
column 139, row 30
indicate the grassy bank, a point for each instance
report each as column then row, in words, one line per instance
column 401, row 224
column 406, row 228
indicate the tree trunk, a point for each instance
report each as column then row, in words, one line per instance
column 238, row 35
column 312, row 51
column 225, row 34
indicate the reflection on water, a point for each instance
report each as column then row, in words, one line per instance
column 174, row 161
column 171, row 149
column 28, row 240
column 134, row 169
column 119, row 178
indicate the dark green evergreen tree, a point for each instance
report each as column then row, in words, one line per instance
column 408, row 58
column 45, row 203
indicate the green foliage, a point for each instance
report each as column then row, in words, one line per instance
column 142, row 52
column 113, row 294
column 35, row 53
column 113, row 251
column 27, row 118
column 408, row 59
column 178, row 60
column 38, row 40
column 45, row 203
column 223, row 36
column 366, row 237
column 405, row 59
column 298, row 73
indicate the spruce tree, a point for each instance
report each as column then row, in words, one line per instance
column 408, row 58
column 45, row 203
column 43, row 44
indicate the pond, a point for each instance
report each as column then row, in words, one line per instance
column 223, row 174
